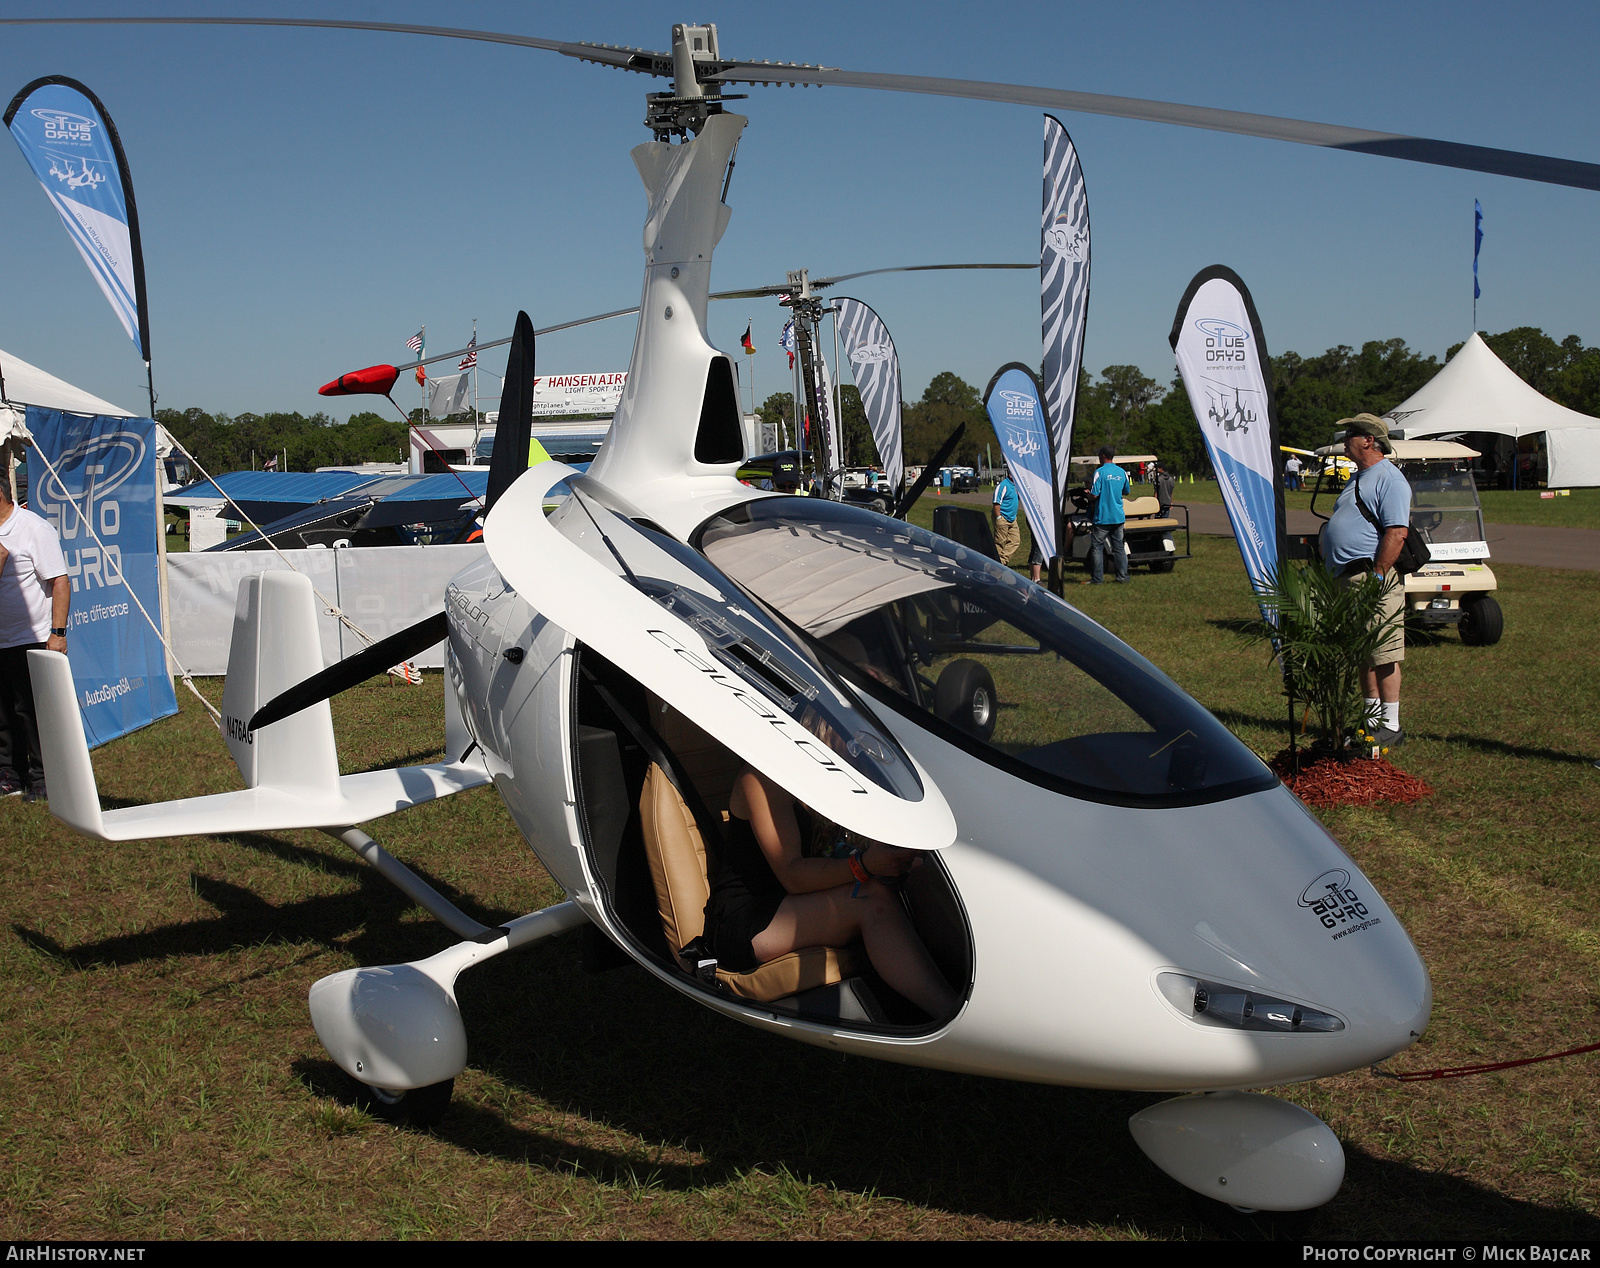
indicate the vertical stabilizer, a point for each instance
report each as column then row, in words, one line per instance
column 275, row 646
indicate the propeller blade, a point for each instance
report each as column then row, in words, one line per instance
column 547, row 330
column 346, row 673
column 1471, row 158
column 928, row 472
column 515, row 429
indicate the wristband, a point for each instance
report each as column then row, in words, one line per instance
column 60, row 630
column 858, row 869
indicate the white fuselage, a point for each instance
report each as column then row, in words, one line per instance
column 1074, row 906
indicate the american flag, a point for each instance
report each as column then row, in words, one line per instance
column 470, row 361
column 415, row 342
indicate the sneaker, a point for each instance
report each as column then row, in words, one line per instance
column 1385, row 738
column 36, row 791
column 10, row 785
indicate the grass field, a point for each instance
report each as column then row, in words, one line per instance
column 161, row 1077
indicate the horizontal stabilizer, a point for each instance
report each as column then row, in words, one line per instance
column 352, row 799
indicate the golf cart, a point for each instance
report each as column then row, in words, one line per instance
column 1148, row 537
column 786, row 471
column 1456, row 588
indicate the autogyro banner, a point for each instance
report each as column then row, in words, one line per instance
column 876, row 367
column 72, row 146
column 108, row 479
column 1016, row 408
column 1063, row 289
column 1222, row 357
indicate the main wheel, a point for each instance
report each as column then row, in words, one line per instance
column 1482, row 622
column 965, row 697
column 417, row 1107
column 1161, row 565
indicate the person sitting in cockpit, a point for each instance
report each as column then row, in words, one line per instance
column 767, row 899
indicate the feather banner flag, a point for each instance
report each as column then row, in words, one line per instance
column 73, row 148
column 1222, row 357
column 1063, row 290
column 876, row 367
column 1013, row 400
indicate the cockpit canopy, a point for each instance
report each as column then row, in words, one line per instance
column 966, row 647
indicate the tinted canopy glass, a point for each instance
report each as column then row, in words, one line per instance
column 967, row 647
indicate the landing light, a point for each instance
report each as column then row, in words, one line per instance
column 1232, row 1008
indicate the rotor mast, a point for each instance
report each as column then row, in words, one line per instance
column 808, row 313
column 692, row 100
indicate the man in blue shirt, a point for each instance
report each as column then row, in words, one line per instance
column 1353, row 549
column 1105, row 495
column 1006, row 536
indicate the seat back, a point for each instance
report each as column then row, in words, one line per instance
column 710, row 766
column 1140, row 506
column 676, row 852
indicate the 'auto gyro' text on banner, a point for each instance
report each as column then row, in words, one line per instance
column 1016, row 409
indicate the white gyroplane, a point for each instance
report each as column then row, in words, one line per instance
column 1122, row 895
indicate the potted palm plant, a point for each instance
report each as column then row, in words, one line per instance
column 1322, row 631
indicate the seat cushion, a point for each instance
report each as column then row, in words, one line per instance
column 790, row 974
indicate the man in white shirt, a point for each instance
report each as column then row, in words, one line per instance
column 35, row 596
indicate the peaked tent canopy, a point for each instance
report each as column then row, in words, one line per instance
column 1478, row 392
column 29, row 385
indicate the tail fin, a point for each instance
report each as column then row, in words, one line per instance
column 275, row 646
column 291, row 766
column 74, row 799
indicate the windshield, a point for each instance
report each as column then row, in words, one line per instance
column 966, row 647
column 1444, row 501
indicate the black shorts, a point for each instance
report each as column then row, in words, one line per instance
column 734, row 916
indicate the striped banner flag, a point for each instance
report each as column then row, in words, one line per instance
column 470, row 361
column 415, row 342
column 876, row 367
column 1064, row 290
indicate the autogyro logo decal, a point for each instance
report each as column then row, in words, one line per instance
column 1336, row 904
column 1224, row 342
column 872, row 352
column 63, row 125
column 1018, row 404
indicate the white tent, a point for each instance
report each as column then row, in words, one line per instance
column 29, row 385
column 1478, row 392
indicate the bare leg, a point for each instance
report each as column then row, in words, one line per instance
column 1382, row 683
column 832, row 918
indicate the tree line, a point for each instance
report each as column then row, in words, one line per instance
column 223, row 443
column 1122, row 407
column 1133, row 413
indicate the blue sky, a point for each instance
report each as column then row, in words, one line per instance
column 309, row 198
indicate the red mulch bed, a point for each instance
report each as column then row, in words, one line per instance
column 1327, row 781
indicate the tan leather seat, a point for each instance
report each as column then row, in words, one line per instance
column 677, row 855
column 710, row 766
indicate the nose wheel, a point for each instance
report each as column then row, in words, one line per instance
column 416, row 1107
column 1251, row 1152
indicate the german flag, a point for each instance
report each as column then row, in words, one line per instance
column 744, row 342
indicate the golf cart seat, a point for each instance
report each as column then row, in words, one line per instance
column 676, row 851
column 1145, row 510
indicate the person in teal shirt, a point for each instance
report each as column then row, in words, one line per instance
column 1106, row 492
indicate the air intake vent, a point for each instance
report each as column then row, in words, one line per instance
column 720, row 438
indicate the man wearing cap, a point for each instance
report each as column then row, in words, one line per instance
column 1353, row 548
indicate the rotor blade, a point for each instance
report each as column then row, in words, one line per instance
column 784, row 288
column 904, row 505
column 346, row 673
column 548, row 330
column 1471, row 158
column 916, row 268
